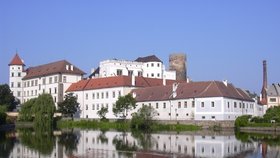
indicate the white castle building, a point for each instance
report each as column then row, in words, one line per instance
column 149, row 67
column 53, row 78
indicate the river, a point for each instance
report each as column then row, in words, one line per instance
column 74, row 143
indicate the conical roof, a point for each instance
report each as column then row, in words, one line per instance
column 16, row 61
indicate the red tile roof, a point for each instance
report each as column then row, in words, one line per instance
column 191, row 90
column 116, row 81
column 52, row 68
column 16, row 61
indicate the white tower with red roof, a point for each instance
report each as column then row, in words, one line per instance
column 17, row 72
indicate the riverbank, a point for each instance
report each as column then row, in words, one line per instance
column 123, row 125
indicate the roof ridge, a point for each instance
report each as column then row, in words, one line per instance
column 205, row 89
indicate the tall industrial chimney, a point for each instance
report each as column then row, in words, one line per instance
column 264, row 87
column 177, row 62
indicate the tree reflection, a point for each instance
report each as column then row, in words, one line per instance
column 144, row 139
column 123, row 145
column 270, row 139
column 69, row 140
column 38, row 139
column 102, row 137
column 6, row 144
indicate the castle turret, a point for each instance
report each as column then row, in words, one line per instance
column 15, row 77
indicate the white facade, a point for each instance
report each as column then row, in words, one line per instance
column 15, row 80
column 56, row 85
column 123, row 67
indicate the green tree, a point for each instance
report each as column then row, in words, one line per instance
column 69, row 106
column 3, row 115
column 44, row 110
column 242, row 121
column 143, row 119
column 70, row 141
column 6, row 97
column 272, row 113
column 102, row 113
column 123, row 105
column 26, row 113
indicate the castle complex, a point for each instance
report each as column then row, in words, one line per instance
column 169, row 92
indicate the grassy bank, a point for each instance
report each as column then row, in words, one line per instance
column 122, row 126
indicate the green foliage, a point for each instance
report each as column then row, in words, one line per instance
column 69, row 106
column 70, row 142
column 272, row 113
column 26, row 112
column 3, row 117
column 44, row 110
column 42, row 140
column 143, row 119
column 102, row 113
column 242, row 121
column 6, row 97
column 257, row 119
column 123, row 105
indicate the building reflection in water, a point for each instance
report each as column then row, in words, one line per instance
column 113, row 144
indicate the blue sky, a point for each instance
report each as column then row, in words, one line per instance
column 222, row 39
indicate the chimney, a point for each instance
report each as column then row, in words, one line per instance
column 174, row 89
column 264, row 87
column 164, row 80
column 133, row 80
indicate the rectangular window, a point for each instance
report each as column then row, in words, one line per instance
column 28, row 84
column 202, row 104
column 228, row 104
column 213, row 104
column 203, row 117
column 97, row 108
column 93, row 95
column 140, row 73
column 44, row 82
column 64, row 79
column 18, row 93
column 12, row 84
column 50, row 80
column 240, row 105
column 156, row 105
column 36, row 82
column 18, row 84
column 97, row 95
column 119, row 72
column 272, row 99
column 32, row 83
column 102, row 95
column 86, row 96
column 235, row 105
column 193, row 104
column 86, row 107
column 24, row 84
column 158, row 65
column 119, row 93
column 152, row 64
column 50, row 90
column 158, row 75
column 164, row 105
column 12, row 74
column 55, row 79
column 185, row 104
column 213, row 117
column 113, row 94
column 107, row 95
column 39, row 86
column 55, row 90
column 130, row 72
column 36, row 92
column 152, row 74
column 19, row 74
column 93, row 107
column 179, row 104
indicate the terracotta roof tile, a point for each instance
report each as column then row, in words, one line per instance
column 16, row 61
column 52, row 68
column 118, row 81
column 191, row 90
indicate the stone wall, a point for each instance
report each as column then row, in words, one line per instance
column 204, row 124
column 177, row 62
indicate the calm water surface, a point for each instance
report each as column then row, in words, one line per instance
column 113, row 144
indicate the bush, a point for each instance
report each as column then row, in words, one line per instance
column 272, row 113
column 3, row 117
column 242, row 121
column 258, row 119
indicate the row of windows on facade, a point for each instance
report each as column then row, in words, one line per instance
column 35, row 82
column 18, row 74
column 102, row 96
column 140, row 73
column 54, row 99
column 35, row 92
column 99, row 106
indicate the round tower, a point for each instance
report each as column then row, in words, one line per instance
column 16, row 67
column 177, row 62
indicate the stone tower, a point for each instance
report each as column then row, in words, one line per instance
column 177, row 62
column 15, row 78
